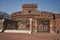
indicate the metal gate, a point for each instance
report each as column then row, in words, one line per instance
column 43, row 26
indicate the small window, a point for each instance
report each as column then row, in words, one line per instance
column 29, row 11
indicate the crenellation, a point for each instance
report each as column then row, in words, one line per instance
column 29, row 6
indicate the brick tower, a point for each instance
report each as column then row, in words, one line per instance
column 28, row 8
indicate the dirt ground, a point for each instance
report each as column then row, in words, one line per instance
column 33, row 36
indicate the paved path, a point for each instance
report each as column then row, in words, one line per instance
column 33, row 36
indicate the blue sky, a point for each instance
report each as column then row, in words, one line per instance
column 11, row 6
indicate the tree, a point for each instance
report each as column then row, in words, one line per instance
column 1, row 15
column 4, row 15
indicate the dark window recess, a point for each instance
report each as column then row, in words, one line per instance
column 29, row 11
column 53, row 16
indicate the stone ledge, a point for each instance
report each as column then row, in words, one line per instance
column 17, row 31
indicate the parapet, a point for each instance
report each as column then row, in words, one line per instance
column 29, row 6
